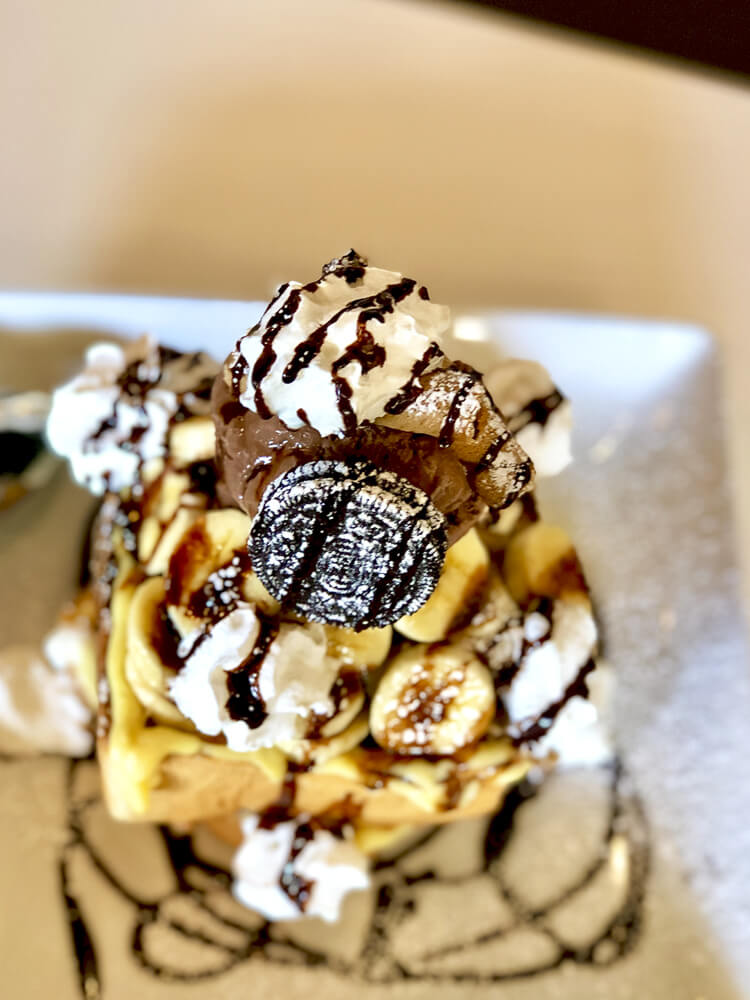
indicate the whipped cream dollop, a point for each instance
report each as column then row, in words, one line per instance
column 337, row 351
column 291, row 870
column 284, row 697
column 41, row 706
column 536, row 412
column 581, row 734
column 116, row 414
column 560, row 649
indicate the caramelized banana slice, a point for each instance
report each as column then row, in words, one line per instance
column 368, row 648
column 456, row 408
column 212, row 541
column 170, row 488
column 192, row 440
column 146, row 668
column 432, row 700
column 210, row 567
column 540, row 561
column 464, row 572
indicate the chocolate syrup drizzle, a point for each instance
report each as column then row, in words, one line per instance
column 245, row 702
column 448, row 430
column 396, row 899
column 505, row 675
column 297, row 888
column 135, row 382
column 363, row 350
column 578, row 688
column 413, row 390
column 536, row 411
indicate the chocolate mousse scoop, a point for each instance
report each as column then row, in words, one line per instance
column 361, row 451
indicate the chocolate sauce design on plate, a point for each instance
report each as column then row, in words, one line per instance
column 231, row 943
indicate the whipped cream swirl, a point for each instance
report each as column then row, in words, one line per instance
column 293, row 870
column 42, row 708
column 281, row 699
column 116, row 414
column 537, row 413
column 338, row 351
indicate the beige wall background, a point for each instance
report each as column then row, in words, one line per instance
column 214, row 148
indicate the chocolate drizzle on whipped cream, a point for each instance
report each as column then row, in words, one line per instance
column 413, row 390
column 578, row 688
column 245, row 700
column 351, row 267
column 536, row 411
column 335, row 332
column 297, row 888
column 267, row 356
column 363, row 350
column 117, row 415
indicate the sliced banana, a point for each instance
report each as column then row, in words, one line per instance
column 319, row 751
column 368, row 648
column 348, row 694
column 540, row 561
column 494, row 612
column 495, row 534
column 170, row 490
column 145, row 668
column 464, row 572
column 192, row 440
column 169, row 539
column 432, row 700
column 254, row 592
column 211, row 542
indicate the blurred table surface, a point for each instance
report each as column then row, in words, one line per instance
column 214, row 149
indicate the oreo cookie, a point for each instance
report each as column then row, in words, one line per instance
column 346, row 543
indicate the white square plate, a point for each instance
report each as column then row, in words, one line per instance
column 624, row 883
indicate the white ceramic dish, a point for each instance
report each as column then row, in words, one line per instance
column 641, row 891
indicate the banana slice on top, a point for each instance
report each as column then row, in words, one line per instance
column 541, row 561
column 211, row 564
column 464, row 572
column 151, row 653
column 368, row 648
column 192, row 440
column 432, row 700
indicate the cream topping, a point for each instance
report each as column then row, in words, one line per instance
column 41, row 707
column 286, row 874
column 116, row 414
column 539, row 416
column 287, row 697
column 337, row 351
column 548, row 669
